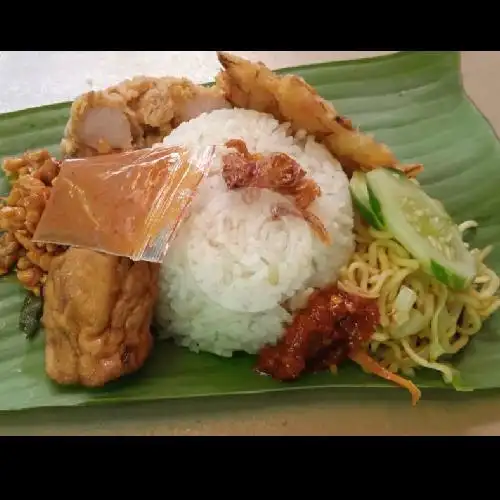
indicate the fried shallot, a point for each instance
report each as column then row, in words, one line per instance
column 277, row 172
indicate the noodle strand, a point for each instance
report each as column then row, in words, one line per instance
column 379, row 268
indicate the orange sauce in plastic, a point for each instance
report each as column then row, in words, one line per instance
column 119, row 203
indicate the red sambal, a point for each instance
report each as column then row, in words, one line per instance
column 333, row 326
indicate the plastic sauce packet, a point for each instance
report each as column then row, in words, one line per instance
column 128, row 204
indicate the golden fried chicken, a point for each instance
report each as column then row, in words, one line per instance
column 97, row 314
column 134, row 114
column 290, row 99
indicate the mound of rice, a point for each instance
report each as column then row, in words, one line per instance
column 231, row 264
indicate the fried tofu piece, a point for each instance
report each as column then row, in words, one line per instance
column 97, row 314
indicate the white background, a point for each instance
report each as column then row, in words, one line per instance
column 30, row 79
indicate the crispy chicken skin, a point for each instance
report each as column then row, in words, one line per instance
column 290, row 99
column 97, row 314
column 134, row 114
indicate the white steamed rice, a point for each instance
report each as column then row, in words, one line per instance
column 231, row 266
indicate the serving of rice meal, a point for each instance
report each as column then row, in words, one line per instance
column 281, row 235
column 234, row 275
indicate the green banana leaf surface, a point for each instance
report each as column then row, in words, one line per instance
column 412, row 101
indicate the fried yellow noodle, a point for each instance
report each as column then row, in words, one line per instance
column 444, row 320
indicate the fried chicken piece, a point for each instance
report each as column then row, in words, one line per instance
column 134, row 114
column 278, row 172
column 97, row 314
column 290, row 99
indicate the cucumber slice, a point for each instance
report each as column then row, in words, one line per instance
column 422, row 226
column 396, row 172
column 361, row 198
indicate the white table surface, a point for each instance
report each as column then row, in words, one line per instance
column 35, row 78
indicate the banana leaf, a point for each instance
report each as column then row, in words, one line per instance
column 414, row 102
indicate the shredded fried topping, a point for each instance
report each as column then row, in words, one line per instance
column 278, row 172
column 33, row 175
